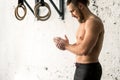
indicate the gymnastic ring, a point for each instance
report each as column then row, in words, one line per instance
column 45, row 17
column 17, row 14
column 42, row 18
column 37, row 7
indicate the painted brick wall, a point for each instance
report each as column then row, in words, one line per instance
column 109, row 11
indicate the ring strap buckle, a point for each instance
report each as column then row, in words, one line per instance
column 42, row 3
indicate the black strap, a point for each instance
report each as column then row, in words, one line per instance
column 20, row 2
column 42, row 2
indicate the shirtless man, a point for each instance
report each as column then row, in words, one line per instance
column 89, row 40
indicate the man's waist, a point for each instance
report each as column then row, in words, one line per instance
column 85, row 60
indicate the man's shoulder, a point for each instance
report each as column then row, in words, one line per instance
column 94, row 19
column 94, row 23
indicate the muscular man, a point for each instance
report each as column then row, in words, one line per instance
column 89, row 40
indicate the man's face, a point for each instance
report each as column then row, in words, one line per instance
column 75, row 12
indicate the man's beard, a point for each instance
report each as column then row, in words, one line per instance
column 81, row 19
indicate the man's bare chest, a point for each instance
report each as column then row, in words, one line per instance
column 80, row 33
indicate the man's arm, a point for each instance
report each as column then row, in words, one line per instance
column 92, row 31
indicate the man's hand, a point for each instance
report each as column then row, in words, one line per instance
column 61, row 43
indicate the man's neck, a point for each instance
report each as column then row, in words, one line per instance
column 87, row 13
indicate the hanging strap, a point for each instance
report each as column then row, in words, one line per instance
column 20, row 2
column 42, row 3
column 20, row 5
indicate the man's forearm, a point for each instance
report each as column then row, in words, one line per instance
column 74, row 48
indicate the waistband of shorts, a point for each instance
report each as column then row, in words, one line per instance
column 87, row 64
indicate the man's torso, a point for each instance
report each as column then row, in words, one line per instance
column 94, row 54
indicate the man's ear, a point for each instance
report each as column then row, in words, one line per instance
column 80, row 5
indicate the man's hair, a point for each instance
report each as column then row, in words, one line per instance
column 75, row 2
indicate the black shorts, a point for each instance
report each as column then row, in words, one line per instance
column 90, row 71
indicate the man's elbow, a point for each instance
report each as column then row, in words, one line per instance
column 83, row 52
